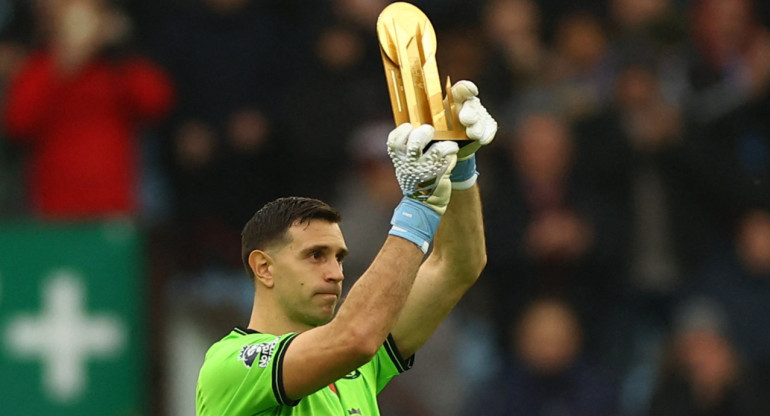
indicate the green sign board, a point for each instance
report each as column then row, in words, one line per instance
column 71, row 319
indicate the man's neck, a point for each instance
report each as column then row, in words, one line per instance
column 270, row 320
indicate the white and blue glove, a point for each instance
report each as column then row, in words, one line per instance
column 424, row 181
column 480, row 127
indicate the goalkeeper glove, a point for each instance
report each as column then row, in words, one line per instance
column 424, row 181
column 480, row 127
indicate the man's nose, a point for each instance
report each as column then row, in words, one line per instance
column 335, row 272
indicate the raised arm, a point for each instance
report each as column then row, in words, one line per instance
column 459, row 251
column 322, row 355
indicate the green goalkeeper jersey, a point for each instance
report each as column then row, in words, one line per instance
column 242, row 376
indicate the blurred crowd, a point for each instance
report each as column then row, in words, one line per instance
column 627, row 194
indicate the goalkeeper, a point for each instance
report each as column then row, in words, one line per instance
column 296, row 356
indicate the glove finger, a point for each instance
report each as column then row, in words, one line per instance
column 475, row 131
column 398, row 137
column 463, row 90
column 471, row 112
column 479, row 124
column 489, row 131
column 482, row 131
column 419, row 138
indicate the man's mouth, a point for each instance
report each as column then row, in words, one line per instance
column 329, row 294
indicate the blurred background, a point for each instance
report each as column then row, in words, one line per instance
column 626, row 196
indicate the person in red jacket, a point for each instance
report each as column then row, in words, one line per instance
column 78, row 108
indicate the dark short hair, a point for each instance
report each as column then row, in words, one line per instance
column 270, row 224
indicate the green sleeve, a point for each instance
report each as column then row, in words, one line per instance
column 241, row 375
column 388, row 363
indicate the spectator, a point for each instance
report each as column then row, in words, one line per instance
column 724, row 63
column 512, row 28
column 701, row 373
column 719, row 79
column 546, row 229
column 655, row 21
column 546, row 373
column 344, row 79
column 579, row 70
column 738, row 278
column 77, row 104
column 629, row 154
column 223, row 154
column 576, row 77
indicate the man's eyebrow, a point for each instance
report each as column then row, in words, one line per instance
column 342, row 252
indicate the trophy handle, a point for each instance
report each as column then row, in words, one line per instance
column 408, row 49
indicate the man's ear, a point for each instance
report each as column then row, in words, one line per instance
column 260, row 263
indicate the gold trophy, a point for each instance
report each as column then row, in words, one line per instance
column 408, row 49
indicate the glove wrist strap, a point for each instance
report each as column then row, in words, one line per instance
column 415, row 222
column 464, row 174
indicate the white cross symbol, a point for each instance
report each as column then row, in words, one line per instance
column 63, row 336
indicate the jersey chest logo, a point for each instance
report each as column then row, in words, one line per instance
column 352, row 375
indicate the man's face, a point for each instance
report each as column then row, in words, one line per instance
column 308, row 272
